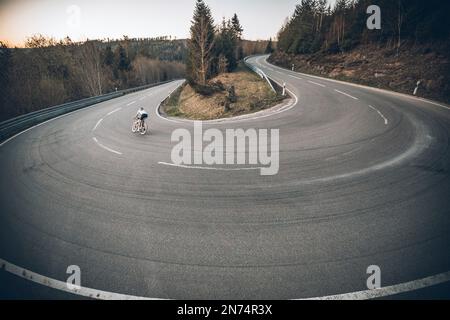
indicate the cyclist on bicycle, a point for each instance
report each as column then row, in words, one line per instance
column 142, row 115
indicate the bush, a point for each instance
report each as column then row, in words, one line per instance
column 209, row 89
column 334, row 48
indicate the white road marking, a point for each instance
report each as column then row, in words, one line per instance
column 290, row 75
column 159, row 106
column 56, row 118
column 105, row 147
column 141, row 98
column 98, row 123
column 404, row 95
column 346, row 94
column 106, row 295
column 114, row 111
column 317, row 84
column 434, row 103
column 381, row 115
column 207, row 168
column 131, row 103
column 45, row 122
column 391, row 290
column 248, row 117
column 62, row 286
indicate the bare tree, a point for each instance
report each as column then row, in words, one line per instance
column 90, row 63
column 399, row 25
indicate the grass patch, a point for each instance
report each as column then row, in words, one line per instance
column 210, row 102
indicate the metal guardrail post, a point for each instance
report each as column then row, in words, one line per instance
column 259, row 72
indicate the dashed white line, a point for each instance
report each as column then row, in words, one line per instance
column 105, row 147
column 317, row 84
column 290, row 75
column 98, row 123
column 381, row 115
column 346, row 94
column 131, row 103
column 114, row 111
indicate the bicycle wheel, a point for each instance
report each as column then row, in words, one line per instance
column 135, row 127
column 143, row 129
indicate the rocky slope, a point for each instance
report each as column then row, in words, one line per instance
column 381, row 67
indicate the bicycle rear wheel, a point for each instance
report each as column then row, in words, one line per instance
column 143, row 129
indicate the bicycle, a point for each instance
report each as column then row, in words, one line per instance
column 139, row 126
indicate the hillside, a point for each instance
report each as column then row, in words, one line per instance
column 380, row 67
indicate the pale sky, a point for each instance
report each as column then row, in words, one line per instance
column 98, row 19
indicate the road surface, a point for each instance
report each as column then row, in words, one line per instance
column 363, row 180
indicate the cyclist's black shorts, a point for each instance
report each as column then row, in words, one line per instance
column 144, row 116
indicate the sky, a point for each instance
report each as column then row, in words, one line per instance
column 101, row 19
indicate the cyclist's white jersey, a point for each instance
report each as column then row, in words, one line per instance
column 140, row 113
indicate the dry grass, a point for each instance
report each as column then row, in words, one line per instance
column 380, row 67
column 252, row 93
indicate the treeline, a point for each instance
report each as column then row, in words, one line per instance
column 212, row 49
column 48, row 72
column 315, row 26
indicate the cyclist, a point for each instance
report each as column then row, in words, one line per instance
column 142, row 115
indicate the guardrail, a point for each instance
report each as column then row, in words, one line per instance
column 15, row 125
column 259, row 72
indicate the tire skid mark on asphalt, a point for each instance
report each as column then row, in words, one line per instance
column 208, row 168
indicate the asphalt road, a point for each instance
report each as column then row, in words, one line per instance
column 363, row 180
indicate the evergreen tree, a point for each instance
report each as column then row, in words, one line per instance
column 108, row 56
column 314, row 26
column 226, row 45
column 269, row 48
column 122, row 61
column 237, row 28
column 201, row 44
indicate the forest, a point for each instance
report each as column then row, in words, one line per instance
column 48, row 72
column 315, row 26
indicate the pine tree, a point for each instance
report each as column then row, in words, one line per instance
column 269, row 48
column 201, row 44
column 122, row 61
column 227, row 43
column 108, row 56
column 237, row 28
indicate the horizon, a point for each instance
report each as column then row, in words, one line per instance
column 21, row 19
